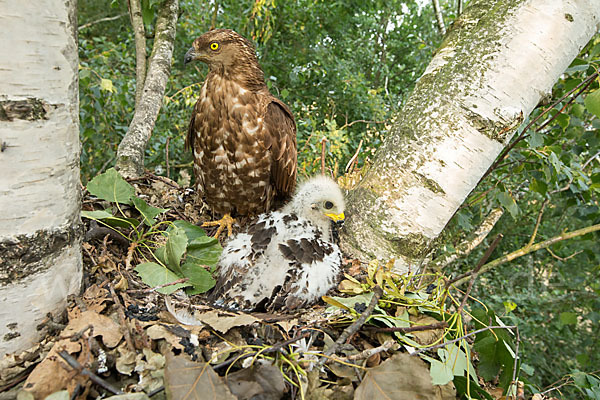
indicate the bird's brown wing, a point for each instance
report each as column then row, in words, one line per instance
column 191, row 133
column 280, row 136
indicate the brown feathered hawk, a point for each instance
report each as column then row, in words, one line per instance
column 243, row 138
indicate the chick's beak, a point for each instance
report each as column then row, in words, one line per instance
column 189, row 56
column 336, row 217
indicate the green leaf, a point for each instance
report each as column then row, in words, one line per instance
column 535, row 139
column 107, row 85
column 175, row 248
column 472, row 388
column 147, row 12
column 204, row 250
column 464, row 220
column 153, row 275
column 592, row 102
column 98, row 214
column 538, row 186
column 509, row 306
column 567, row 318
column 508, row 203
column 200, row 278
column 191, row 231
column 110, row 186
column 148, row 212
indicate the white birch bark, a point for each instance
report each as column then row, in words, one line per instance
column 498, row 60
column 130, row 155
column 40, row 196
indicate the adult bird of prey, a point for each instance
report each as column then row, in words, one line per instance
column 284, row 259
column 243, row 138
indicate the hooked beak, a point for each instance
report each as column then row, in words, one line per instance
column 189, row 56
column 336, row 217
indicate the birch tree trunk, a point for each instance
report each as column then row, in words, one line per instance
column 40, row 195
column 498, row 60
column 130, row 155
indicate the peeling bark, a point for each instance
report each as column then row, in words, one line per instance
column 130, row 155
column 40, row 196
column 496, row 63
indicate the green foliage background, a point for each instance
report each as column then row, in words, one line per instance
column 337, row 62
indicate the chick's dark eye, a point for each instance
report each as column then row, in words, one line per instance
column 328, row 205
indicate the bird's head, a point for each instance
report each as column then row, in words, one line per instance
column 319, row 200
column 221, row 48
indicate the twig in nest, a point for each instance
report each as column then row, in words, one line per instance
column 153, row 289
column 276, row 347
column 387, row 345
column 122, row 321
column 164, row 179
column 437, row 346
column 418, row 328
column 356, row 325
column 96, row 231
column 73, row 363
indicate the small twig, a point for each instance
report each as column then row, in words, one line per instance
column 484, row 258
column 541, row 245
column 355, row 326
column 155, row 288
column 480, row 264
column 167, row 156
column 164, row 179
column 84, row 26
column 96, row 231
column 562, row 258
column 323, row 146
column 418, row 328
column 387, row 345
column 437, row 346
column 354, row 157
column 349, row 124
column 122, row 320
column 73, row 363
column 514, row 374
column 537, row 223
column 89, row 253
column 276, row 347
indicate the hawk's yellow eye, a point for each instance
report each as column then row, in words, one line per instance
column 214, row 46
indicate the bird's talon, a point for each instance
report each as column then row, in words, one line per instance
column 226, row 221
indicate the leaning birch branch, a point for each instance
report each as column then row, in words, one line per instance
column 130, row 155
column 467, row 246
column 137, row 22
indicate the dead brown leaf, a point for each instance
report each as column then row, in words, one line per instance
column 398, row 378
column 263, row 381
column 429, row 337
column 53, row 374
column 95, row 298
column 186, row 379
column 103, row 326
column 224, row 322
